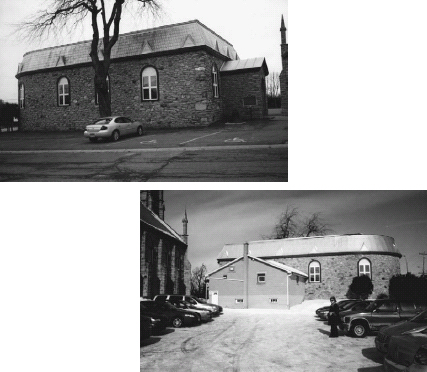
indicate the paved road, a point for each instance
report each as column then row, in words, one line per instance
column 247, row 152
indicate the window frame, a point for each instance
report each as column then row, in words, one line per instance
column 215, row 81
column 149, row 86
column 59, row 95
column 311, row 276
column 21, row 95
column 259, row 276
column 370, row 267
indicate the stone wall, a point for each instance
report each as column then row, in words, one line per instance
column 337, row 273
column 185, row 94
column 238, row 85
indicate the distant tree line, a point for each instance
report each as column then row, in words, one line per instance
column 8, row 111
column 273, row 90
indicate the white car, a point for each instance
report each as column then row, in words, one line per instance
column 113, row 127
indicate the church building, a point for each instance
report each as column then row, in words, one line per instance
column 330, row 262
column 284, row 74
column 180, row 75
column 164, row 265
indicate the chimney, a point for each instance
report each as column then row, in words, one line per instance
column 245, row 275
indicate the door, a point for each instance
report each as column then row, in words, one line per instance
column 385, row 314
column 215, row 297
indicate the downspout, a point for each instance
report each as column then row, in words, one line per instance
column 287, row 290
column 245, row 274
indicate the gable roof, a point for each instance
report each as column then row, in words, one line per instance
column 277, row 265
column 314, row 246
column 245, row 64
column 152, row 220
column 154, row 40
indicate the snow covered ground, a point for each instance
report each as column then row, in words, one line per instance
column 261, row 340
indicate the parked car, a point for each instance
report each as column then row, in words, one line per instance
column 416, row 324
column 176, row 317
column 112, row 127
column 205, row 315
column 216, row 309
column 145, row 326
column 407, row 352
column 324, row 309
column 343, row 305
column 379, row 314
column 355, row 307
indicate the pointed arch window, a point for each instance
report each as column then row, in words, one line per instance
column 314, row 272
column 364, row 267
column 21, row 96
column 150, row 89
column 215, row 86
column 64, row 92
column 108, row 88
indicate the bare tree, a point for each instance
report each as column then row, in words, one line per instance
column 61, row 15
column 198, row 285
column 273, row 88
column 290, row 225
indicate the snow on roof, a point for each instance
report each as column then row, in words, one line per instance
column 151, row 219
column 275, row 264
column 159, row 39
column 316, row 245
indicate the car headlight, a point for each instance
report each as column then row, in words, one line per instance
column 189, row 316
column 421, row 355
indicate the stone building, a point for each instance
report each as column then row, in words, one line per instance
column 284, row 73
column 181, row 75
column 251, row 282
column 163, row 252
column 331, row 262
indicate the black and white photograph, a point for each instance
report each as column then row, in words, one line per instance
column 144, row 90
column 282, row 275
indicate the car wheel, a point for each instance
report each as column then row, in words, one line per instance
column 115, row 136
column 140, row 131
column 359, row 330
column 93, row 139
column 177, row 322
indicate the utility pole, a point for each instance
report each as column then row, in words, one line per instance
column 423, row 254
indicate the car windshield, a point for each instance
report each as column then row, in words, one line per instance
column 202, row 300
column 420, row 318
column 347, row 305
column 102, row 121
column 373, row 306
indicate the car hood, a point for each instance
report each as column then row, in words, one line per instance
column 399, row 328
column 402, row 349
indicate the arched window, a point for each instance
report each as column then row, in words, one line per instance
column 215, row 87
column 108, row 88
column 63, row 92
column 364, row 267
column 21, row 96
column 314, row 272
column 149, row 84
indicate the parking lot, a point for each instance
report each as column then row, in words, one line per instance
column 260, row 340
column 253, row 151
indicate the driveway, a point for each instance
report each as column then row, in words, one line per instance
column 260, row 340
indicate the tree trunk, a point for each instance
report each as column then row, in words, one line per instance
column 101, row 87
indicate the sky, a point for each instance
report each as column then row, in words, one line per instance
column 221, row 217
column 253, row 29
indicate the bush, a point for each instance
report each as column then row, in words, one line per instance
column 382, row 296
column 361, row 287
column 408, row 287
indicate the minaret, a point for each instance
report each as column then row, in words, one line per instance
column 184, row 227
column 284, row 73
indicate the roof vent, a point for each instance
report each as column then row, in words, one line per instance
column 188, row 42
column 147, row 47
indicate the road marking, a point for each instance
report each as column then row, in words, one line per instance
column 149, row 142
column 235, row 139
column 207, row 135
column 163, row 149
